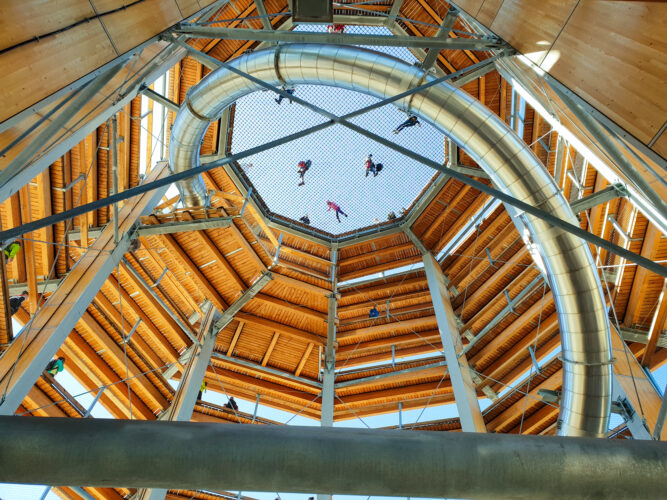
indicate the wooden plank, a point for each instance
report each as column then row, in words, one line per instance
column 376, row 254
column 302, row 285
column 368, row 271
column 270, row 349
column 235, row 338
column 444, row 213
column 304, row 358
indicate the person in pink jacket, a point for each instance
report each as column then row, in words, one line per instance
column 336, row 209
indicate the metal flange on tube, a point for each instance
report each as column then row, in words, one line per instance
column 510, row 163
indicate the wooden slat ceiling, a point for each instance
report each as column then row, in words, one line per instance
column 273, row 346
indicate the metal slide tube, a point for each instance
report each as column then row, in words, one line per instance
column 214, row 456
column 511, row 165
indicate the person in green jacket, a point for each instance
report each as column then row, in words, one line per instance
column 202, row 390
column 11, row 250
column 55, row 366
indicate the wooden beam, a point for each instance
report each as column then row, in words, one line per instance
column 46, row 234
column 302, row 285
column 28, row 250
column 148, row 296
column 411, row 338
column 657, row 326
column 304, row 358
column 161, row 342
column 13, row 214
column 444, row 213
column 359, row 333
column 284, row 329
column 213, row 249
column 394, row 299
column 650, row 247
column 376, row 254
column 288, row 306
column 235, row 338
column 380, row 267
column 272, row 345
column 205, row 285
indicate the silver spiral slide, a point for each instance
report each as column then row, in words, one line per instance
column 512, row 166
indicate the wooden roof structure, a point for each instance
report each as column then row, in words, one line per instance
column 273, row 348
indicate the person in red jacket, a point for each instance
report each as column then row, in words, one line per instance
column 370, row 166
column 303, row 168
column 336, row 28
column 336, row 209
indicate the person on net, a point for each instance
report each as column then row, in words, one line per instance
column 336, row 208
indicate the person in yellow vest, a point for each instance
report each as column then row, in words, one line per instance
column 11, row 250
column 202, row 390
column 55, row 366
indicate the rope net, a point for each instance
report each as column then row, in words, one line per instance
column 337, row 171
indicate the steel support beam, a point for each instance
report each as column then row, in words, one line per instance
column 247, row 295
column 10, row 181
column 443, row 32
column 186, row 455
column 266, row 369
column 662, row 414
column 465, row 393
column 185, row 398
column 181, row 226
column 328, row 375
column 632, row 419
column 149, row 289
column 47, row 286
column 23, row 362
column 394, row 12
column 339, row 39
column 160, row 99
column 604, row 195
column 169, row 57
column 261, row 10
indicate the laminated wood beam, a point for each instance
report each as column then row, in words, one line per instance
column 205, row 285
column 161, row 342
column 380, row 267
column 46, row 234
column 502, row 421
column 432, row 336
column 382, row 288
column 272, row 345
column 21, row 365
column 27, row 252
column 284, row 329
column 151, row 296
column 376, row 254
column 435, row 226
column 394, row 299
column 102, row 375
column 155, row 258
column 358, row 333
column 638, row 290
column 235, row 338
column 303, row 360
column 387, row 356
column 657, row 326
column 479, row 201
column 123, row 325
column 114, row 351
column 288, row 306
column 203, row 238
column 302, row 285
